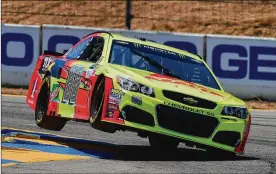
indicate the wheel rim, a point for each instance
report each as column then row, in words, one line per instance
column 42, row 104
column 97, row 104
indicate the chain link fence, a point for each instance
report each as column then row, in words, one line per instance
column 247, row 17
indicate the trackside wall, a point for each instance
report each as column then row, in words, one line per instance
column 246, row 66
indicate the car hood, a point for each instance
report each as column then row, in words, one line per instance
column 163, row 82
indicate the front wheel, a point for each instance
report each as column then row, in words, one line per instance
column 96, row 108
column 41, row 118
column 97, row 104
column 162, row 142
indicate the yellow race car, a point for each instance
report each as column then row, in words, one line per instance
column 121, row 83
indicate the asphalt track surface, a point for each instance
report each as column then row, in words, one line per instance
column 135, row 156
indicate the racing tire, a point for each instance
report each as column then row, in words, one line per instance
column 162, row 142
column 41, row 118
column 97, row 104
column 96, row 108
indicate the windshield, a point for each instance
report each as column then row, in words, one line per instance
column 161, row 61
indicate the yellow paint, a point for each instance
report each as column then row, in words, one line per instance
column 50, row 67
column 63, row 144
column 9, row 164
column 67, row 111
column 25, row 155
column 26, row 136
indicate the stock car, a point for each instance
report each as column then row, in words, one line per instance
column 120, row 83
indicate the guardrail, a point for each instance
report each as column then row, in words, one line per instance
column 246, row 66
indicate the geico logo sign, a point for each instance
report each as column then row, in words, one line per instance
column 17, row 49
column 239, row 62
column 61, row 43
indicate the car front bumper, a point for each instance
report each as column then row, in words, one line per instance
column 188, row 124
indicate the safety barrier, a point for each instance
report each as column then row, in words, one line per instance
column 246, row 66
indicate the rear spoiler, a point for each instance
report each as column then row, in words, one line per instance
column 53, row 53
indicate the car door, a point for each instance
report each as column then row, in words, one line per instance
column 80, row 77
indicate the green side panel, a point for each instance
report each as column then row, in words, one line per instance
column 65, row 110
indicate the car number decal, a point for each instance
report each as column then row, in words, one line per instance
column 46, row 62
column 72, row 85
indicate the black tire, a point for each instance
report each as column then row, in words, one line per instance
column 162, row 142
column 97, row 104
column 96, row 108
column 41, row 119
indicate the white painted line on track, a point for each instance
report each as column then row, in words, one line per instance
column 9, row 95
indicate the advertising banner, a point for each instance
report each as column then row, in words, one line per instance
column 246, row 66
column 20, row 49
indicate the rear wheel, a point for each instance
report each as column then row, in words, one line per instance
column 162, row 142
column 41, row 117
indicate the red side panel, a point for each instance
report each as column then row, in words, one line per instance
column 52, row 109
column 83, row 100
column 240, row 148
column 34, row 85
column 108, row 114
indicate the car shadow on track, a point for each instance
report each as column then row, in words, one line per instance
column 146, row 153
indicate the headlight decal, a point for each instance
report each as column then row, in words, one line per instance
column 131, row 85
column 240, row 112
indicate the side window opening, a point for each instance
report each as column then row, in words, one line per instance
column 75, row 53
column 93, row 51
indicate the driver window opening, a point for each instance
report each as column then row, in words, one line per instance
column 94, row 50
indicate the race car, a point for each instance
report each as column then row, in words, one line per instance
column 120, row 83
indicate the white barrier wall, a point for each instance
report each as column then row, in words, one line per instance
column 61, row 38
column 246, row 66
column 20, row 49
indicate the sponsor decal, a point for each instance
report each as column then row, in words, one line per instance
column 54, row 94
column 116, row 96
column 164, row 78
column 72, row 85
column 113, row 107
column 90, row 72
column 136, row 100
column 155, row 49
column 189, row 109
column 114, row 101
column 86, row 85
column 189, row 100
column 34, row 87
column 30, row 101
column 109, row 113
column 46, row 63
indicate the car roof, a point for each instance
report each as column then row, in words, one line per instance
column 115, row 36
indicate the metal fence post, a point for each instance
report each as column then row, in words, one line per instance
column 128, row 14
